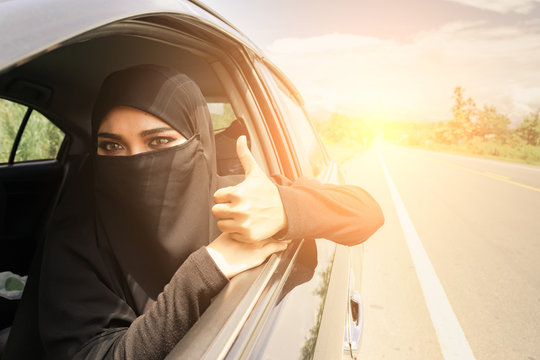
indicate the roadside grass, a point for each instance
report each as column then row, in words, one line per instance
column 523, row 153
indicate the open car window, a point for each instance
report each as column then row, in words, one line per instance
column 27, row 135
column 222, row 115
column 227, row 128
column 312, row 156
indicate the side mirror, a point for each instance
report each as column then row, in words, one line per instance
column 353, row 325
column 355, row 307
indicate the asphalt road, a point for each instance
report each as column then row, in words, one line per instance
column 478, row 222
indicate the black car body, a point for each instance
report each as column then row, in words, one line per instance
column 55, row 55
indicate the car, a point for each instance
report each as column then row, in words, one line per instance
column 301, row 303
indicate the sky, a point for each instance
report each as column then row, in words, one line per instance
column 399, row 60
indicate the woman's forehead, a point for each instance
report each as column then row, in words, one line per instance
column 126, row 119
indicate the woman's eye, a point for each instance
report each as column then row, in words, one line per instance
column 161, row 141
column 111, row 147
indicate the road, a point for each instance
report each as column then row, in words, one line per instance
column 478, row 222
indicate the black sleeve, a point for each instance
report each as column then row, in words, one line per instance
column 82, row 315
column 345, row 214
column 84, row 311
column 154, row 334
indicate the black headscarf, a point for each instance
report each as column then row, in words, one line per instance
column 154, row 208
column 126, row 224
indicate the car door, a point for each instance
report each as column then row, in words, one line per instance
column 294, row 306
column 326, row 294
column 30, row 176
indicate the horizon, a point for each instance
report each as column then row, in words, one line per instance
column 392, row 61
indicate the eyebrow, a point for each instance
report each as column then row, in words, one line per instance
column 155, row 131
column 141, row 134
column 109, row 135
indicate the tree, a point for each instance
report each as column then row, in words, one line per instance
column 464, row 110
column 490, row 122
column 529, row 130
column 341, row 129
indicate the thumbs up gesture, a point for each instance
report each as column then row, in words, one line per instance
column 252, row 210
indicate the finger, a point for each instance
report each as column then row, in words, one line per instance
column 224, row 195
column 244, row 155
column 242, row 236
column 228, row 226
column 236, row 236
column 222, row 211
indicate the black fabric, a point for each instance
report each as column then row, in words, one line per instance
column 154, row 208
column 115, row 281
column 129, row 225
column 227, row 160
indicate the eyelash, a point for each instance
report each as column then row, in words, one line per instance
column 103, row 145
column 159, row 138
column 118, row 146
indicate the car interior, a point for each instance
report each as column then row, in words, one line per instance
column 60, row 87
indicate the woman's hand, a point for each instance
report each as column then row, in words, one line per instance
column 232, row 257
column 252, row 210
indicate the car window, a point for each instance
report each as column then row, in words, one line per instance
column 311, row 156
column 222, row 115
column 227, row 128
column 40, row 139
column 11, row 116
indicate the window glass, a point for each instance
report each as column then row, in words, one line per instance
column 40, row 140
column 11, row 116
column 227, row 128
column 309, row 149
column 222, row 115
column 305, row 139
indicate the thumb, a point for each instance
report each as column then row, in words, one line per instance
column 244, row 155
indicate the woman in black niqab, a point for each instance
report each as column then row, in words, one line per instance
column 107, row 263
column 125, row 270
column 154, row 208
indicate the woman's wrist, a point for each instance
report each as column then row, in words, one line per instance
column 232, row 257
column 220, row 261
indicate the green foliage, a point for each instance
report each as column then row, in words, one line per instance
column 408, row 133
column 41, row 139
column 471, row 130
column 461, row 126
column 529, row 130
column 11, row 115
column 223, row 118
column 492, row 124
column 469, row 122
column 343, row 130
column 482, row 132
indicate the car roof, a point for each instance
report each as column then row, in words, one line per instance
column 32, row 27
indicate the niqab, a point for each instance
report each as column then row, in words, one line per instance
column 154, row 209
column 126, row 224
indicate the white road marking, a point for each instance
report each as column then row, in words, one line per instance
column 454, row 344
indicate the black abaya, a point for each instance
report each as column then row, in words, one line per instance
column 118, row 280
